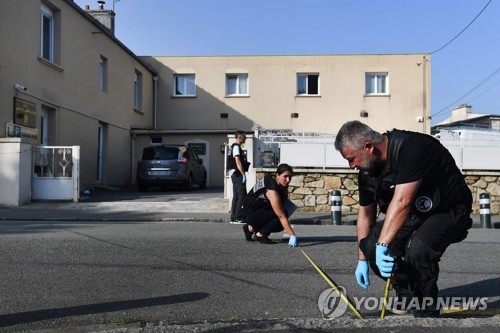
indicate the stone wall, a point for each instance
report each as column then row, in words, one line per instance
column 310, row 190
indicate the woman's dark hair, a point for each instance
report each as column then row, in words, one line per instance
column 282, row 168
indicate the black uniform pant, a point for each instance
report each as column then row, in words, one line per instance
column 263, row 220
column 418, row 248
column 239, row 193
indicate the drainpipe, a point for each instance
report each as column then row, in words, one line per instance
column 133, row 159
column 424, row 96
column 155, row 99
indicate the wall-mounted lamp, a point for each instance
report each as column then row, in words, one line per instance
column 363, row 114
column 222, row 148
column 295, row 115
column 224, row 115
column 20, row 87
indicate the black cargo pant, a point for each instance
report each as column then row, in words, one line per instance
column 239, row 193
column 418, row 248
column 263, row 220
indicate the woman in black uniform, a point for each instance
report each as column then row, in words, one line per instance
column 263, row 208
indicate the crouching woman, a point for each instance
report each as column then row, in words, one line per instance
column 267, row 209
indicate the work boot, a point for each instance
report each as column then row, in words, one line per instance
column 426, row 313
column 399, row 304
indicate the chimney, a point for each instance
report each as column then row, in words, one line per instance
column 461, row 112
column 105, row 16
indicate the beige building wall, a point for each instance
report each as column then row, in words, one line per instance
column 67, row 89
column 272, row 96
column 66, row 92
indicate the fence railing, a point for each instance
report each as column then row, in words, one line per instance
column 472, row 150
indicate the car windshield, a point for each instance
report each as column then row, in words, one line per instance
column 160, row 153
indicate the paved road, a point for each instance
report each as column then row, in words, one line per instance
column 150, row 276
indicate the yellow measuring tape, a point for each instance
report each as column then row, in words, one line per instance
column 386, row 297
column 334, row 287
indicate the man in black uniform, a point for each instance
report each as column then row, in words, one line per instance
column 415, row 182
column 237, row 165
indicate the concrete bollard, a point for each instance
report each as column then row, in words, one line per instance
column 484, row 210
column 336, row 207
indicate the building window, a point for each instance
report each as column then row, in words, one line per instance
column 184, row 85
column 103, row 74
column 236, row 84
column 307, row 84
column 376, row 84
column 47, row 33
column 138, row 90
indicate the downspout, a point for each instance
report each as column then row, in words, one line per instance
column 155, row 99
column 424, row 97
column 133, row 162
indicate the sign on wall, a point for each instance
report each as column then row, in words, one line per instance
column 24, row 113
column 198, row 147
column 26, row 133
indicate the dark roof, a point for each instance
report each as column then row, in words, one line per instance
column 476, row 122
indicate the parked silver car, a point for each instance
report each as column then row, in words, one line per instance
column 170, row 165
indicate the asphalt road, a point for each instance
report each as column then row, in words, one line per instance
column 152, row 276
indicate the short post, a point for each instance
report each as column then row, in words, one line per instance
column 336, row 205
column 484, row 210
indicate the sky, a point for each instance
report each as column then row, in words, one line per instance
column 465, row 71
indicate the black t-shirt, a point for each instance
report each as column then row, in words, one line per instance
column 420, row 156
column 256, row 197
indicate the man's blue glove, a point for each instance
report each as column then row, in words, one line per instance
column 362, row 274
column 385, row 263
column 244, row 179
column 293, row 241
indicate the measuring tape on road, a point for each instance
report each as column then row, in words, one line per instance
column 334, row 287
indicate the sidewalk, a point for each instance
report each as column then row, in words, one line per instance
column 126, row 204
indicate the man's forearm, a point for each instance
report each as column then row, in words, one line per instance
column 366, row 217
column 398, row 211
column 363, row 229
column 393, row 222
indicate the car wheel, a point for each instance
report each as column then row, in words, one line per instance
column 203, row 183
column 189, row 185
column 142, row 187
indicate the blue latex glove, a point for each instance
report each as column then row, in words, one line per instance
column 385, row 263
column 293, row 241
column 362, row 274
column 244, row 179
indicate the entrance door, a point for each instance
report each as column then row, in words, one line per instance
column 44, row 127
column 202, row 148
column 100, row 132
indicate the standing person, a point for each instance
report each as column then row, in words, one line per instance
column 415, row 182
column 266, row 208
column 238, row 165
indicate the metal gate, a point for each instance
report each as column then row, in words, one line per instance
column 56, row 173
